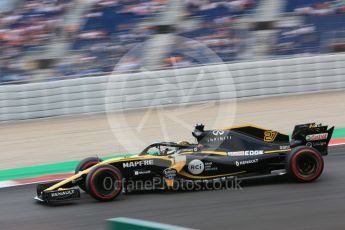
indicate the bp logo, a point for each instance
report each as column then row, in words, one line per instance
column 196, row 167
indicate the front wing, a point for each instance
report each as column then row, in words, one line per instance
column 61, row 194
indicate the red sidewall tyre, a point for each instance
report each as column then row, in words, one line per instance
column 104, row 182
column 304, row 164
column 85, row 164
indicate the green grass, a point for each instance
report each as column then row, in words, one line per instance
column 41, row 170
column 339, row 133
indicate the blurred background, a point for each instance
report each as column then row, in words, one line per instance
column 81, row 78
column 58, row 58
column 48, row 40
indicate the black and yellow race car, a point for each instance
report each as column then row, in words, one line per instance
column 221, row 154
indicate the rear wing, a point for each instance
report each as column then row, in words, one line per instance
column 312, row 135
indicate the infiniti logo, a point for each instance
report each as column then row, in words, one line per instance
column 218, row 132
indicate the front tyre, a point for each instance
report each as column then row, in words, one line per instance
column 83, row 165
column 104, row 182
column 304, row 164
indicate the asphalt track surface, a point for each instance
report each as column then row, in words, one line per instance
column 264, row 204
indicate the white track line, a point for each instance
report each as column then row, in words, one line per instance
column 337, row 144
column 8, row 183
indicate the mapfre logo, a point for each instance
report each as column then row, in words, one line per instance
column 137, row 163
column 270, row 136
column 196, row 167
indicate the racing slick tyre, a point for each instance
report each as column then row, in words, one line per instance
column 85, row 164
column 304, row 164
column 104, row 182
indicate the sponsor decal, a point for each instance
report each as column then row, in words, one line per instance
column 270, row 136
column 141, row 172
column 317, row 137
column 284, row 147
column 220, row 138
column 246, row 153
column 319, row 143
column 309, row 144
column 218, row 132
column 246, row 162
column 169, row 173
column 62, row 193
column 137, row 163
column 236, row 154
column 196, row 167
column 210, row 167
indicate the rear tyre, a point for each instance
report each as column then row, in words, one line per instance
column 85, row 164
column 104, row 182
column 304, row 164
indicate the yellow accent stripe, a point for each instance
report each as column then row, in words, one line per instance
column 216, row 153
column 226, row 154
column 206, row 152
column 183, row 173
column 277, row 151
column 61, row 183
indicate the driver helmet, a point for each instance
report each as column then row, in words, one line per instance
column 183, row 143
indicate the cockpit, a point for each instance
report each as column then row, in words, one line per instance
column 165, row 148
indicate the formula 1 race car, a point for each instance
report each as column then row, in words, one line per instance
column 221, row 154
